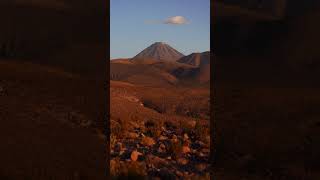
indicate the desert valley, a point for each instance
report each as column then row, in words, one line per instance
column 160, row 114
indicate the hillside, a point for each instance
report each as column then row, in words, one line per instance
column 49, row 124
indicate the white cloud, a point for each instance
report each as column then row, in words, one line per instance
column 178, row 20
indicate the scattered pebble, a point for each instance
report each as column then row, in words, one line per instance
column 148, row 141
column 135, row 155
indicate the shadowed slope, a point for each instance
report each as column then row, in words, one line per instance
column 47, row 125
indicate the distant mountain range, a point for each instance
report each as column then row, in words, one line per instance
column 160, row 65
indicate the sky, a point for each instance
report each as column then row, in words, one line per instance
column 136, row 24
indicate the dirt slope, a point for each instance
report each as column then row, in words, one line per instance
column 47, row 130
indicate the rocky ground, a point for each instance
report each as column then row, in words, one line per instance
column 146, row 143
column 169, row 155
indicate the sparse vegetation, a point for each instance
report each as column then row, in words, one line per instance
column 157, row 133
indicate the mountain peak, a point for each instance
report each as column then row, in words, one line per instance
column 160, row 43
column 160, row 51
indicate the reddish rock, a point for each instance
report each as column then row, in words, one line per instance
column 147, row 141
column 135, row 155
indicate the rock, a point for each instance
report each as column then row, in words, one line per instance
column 185, row 149
column 202, row 144
column 179, row 173
column 135, row 155
column 206, row 151
column 162, row 148
column 132, row 135
column 174, row 139
column 201, row 167
column 134, row 124
column 162, row 138
column 191, row 124
column 201, row 154
column 208, row 139
column 182, row 161
column 147, row 141
column 185, row 136
column 118, row 147
column 155, row 160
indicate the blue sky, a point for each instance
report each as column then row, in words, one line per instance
column 131, row 30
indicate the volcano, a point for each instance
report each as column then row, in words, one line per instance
column 159, row 51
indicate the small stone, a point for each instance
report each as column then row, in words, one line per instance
column 182, row 161
column 207, row 151
column 201, row 167
column 135, row 155
column 132, row 135
column 208, row 139
column 201, row 154
column 191, row 124
column 179, row 173
column 201, row 144
column 162, row 148
column 134, row 124
column 185, row 136
column 185, row 149
column 162, row 138
column 174, row 139
column 147, row 141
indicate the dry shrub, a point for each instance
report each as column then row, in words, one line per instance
column 113, row 140
column 202, row 131
column 153, row 128
column 115, row 128
column 175, row 148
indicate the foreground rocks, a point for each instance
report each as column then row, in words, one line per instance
column 171, row 155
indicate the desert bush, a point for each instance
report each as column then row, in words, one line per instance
column 194, row 107
column 153, row 128
column 202, row 131
column 113, row 140
column 175, row 148
column 115, row 128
